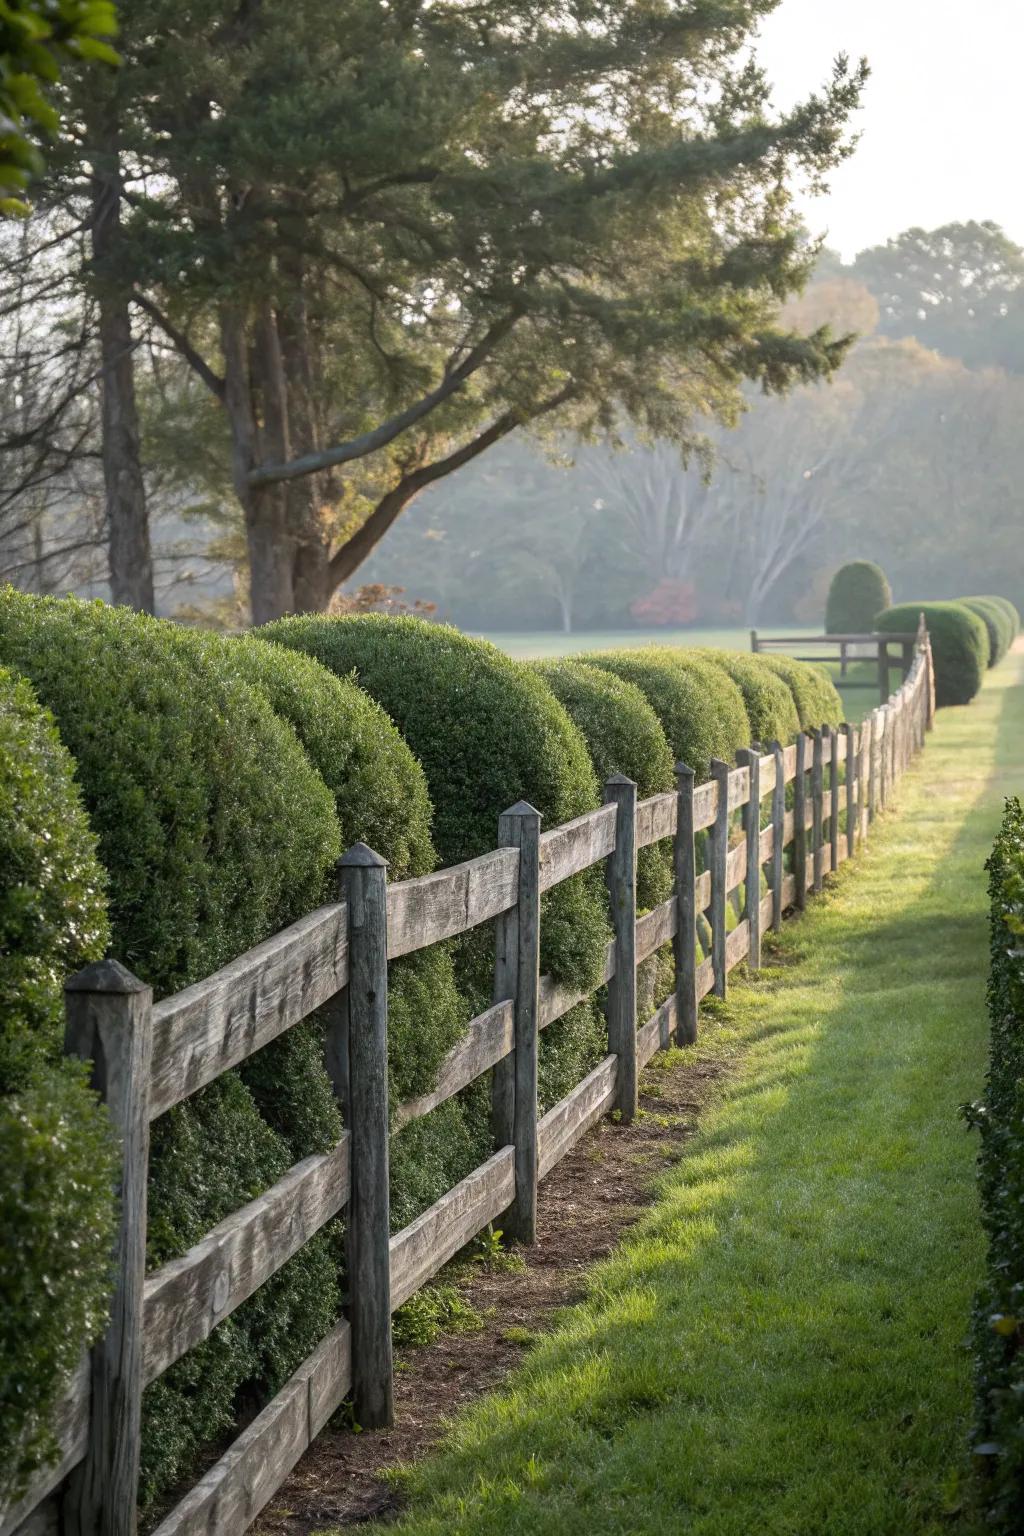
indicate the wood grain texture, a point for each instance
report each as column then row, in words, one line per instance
column 570, row 1119
column 517, row 975
column 737, row 945
column 488, row 1039
column 434, row 907
column 736, row 865
column 228, row 1497
column 704, row 981
column 684, row 866
column 752, row 849
column 620, row 999
column 739, row 788
column 186, row 1298
column 364, row 877
column 426, row 1245
column 217, row 1023
column 719, row 852
column 800, row 813
column 766, row 770
column 659, row 1032
column 575, row 846
column 108, row 1013
column 655, row 928
column 766, row 843
column 705, row 806
column 655, row 818
column 789, row 757
column 789, row 891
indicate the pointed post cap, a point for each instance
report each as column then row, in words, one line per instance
column 522, row 808
column 620, row 778
column 684, row 771
column 106, row 976
column 359, row 856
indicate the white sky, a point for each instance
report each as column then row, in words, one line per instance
column 942, row 127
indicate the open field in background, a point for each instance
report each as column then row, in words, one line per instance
column 528, row 645
column 779, row 1345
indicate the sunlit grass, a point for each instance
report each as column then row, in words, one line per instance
column 778, row 1347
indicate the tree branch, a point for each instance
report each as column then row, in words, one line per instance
column 347, row 560
column 380, row 437
column 181, row 344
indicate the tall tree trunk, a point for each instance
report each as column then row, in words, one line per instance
column 130, row 553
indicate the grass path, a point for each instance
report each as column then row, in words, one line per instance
column 778, row 1347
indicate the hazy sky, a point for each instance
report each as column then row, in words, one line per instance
column 942, row 128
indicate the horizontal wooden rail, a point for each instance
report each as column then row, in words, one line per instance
column 434, row 907
column 577, row 845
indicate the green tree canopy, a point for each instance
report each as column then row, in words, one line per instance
column 384, row 237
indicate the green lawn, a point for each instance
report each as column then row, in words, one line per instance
column 779, row 1345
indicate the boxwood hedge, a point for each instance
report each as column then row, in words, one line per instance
column 1010, row 611
column 700, row 707
column 56, row 1192
column 858, row 592
column 959, row 645
column 488, row 732
column 215, row 830
column 998, row 1326
column 771, row 711
column 997, row 622
column 814, row 693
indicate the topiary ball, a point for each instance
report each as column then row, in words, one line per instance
column 959, row 642
column 858, row 592
column 997, row 622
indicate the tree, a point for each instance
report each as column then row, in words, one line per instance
column 958, row 289
column 384, row 238
column 37, row 39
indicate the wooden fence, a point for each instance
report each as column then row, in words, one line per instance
column 874, row 646
column 149, row 1057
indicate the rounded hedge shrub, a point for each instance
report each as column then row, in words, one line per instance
column 1010, row 611
column 959, row 645
column 700, row 707
column 56, row 1193
column 215, row 831
column 814, row 693
column 771, row 712
column 488, row 732
column 623, row 735
column 997, row 622
column 858, row 593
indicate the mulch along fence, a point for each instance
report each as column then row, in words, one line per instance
column 149, row 1057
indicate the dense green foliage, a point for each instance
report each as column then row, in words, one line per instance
column 771, row 711
column 998, row 624
column 858, row 592
column 623, row 735
column 214, row 830
column 53, row 917
column 1009, row 609
column 700, row 707
column 56, row 1195
column 999, row 1310
column 959, row 645
column 814, row 693
column 488, row 733
column 38, row 38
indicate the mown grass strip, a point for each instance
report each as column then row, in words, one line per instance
column 778, row 1346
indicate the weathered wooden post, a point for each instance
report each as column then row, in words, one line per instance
column 517, row 975
column 883, row 671
column 620, row 873
column 749, row 758
column 778, row 833
column 719, row 873
column 852, row 787
column 753, row 641
column 108, row 1024
column 818, row 805
column 835, row 737
column 800, row 823
column 685, row 860
column 873, row 724
column 363, row 877
column 885, row 733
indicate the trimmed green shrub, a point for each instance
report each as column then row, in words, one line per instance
column 858, row 592
column 623, row 735
column 488, row 732
column 997, row 622
column 1010, row 611
column 959, row 645
column 215, row 831
column 814, row 693
column 998, row 1324
column 771, row 712
column 700, row 707
column 56, row 1192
